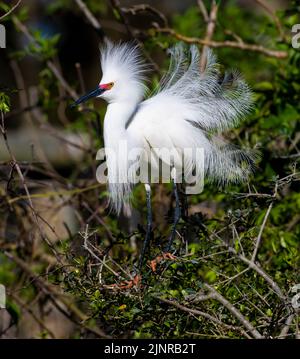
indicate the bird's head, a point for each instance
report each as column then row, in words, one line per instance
column 123, row 71
column 97, row 92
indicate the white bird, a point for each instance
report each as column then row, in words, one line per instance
column 189, row 107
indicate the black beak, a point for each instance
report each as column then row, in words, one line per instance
column 94, row 93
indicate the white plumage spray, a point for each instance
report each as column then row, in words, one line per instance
column 187, row 111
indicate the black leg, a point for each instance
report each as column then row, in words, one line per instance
column 177, row 215
column 149, row 225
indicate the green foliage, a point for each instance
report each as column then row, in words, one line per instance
column 4, row 102
column 44, row 47
column 191, row 23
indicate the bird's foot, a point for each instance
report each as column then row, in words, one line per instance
column 165, row 256
column 127, row 284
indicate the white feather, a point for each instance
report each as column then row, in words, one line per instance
column 189, row 106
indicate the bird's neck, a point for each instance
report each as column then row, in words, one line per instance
column 116, row 118
column 117, row 144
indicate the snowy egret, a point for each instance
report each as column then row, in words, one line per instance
column 188, row 109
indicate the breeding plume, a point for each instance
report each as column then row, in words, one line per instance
column 185, row 114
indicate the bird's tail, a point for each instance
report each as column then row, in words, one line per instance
column 227, row 163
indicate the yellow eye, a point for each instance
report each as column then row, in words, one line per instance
column 110, row 85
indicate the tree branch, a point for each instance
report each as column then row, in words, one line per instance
column 11, row 10
column 133, row 10
column 50, row 64
column 258, row 240
column 209, row 32
column 275, row 18
column 91, row 18
column 227, row 43
column 203, row 10
column 200, row 313
column 52, row 293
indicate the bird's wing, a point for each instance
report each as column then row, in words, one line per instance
column 210, row 99
column 176, row 142
column 189, row 107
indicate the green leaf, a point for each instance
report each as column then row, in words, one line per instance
column 14, row 310
column 211, row 276
column 264, row 86
column 269, row 312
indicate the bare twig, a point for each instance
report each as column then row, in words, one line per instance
column 24, row 184
column 261, row 272
column 203, row 10
column 80, row 77
column 285, row 330
column 71, row 192
column 95, row 214
column 135, row 9
column 32, row 313
column 86, row 245
column 198, row 298
column 62, row 80
column 50, row 291
column 120, row 11
column 91, row 18
column 11, row 10
column 294, row 155
column 234, row 35
column 227, row 43
column 200, row 313
column 257, row 195
column 275, row 18
column 209, row 32
column 50, row 64
column 234, row 311
column 258, row 240
column 255, row 267
column 24, row 101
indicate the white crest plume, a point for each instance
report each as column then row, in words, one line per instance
column 123, row 62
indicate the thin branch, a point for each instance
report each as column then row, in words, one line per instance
column 203, row 10
column 261, row 272
column 11, row 10
column 24, row 101
column 234, row 35
column 80, row 77
column 198, row 298
column 24, row 184
column 95, row 214
column 135, row 9
column 200, row 313
column 71, row 192
column 285, row 330
column 275, row 18
column 120, row 11
column 294, row 155
column 62, row 80
column 258, row 240
column 209, row 32
column 86, row 245
column 91, row 18
column 218, row 44
column 234, row 311
column 255, row 267
column 50, row 64
column 257, row 195
column 32, row 313
column 50, row 290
